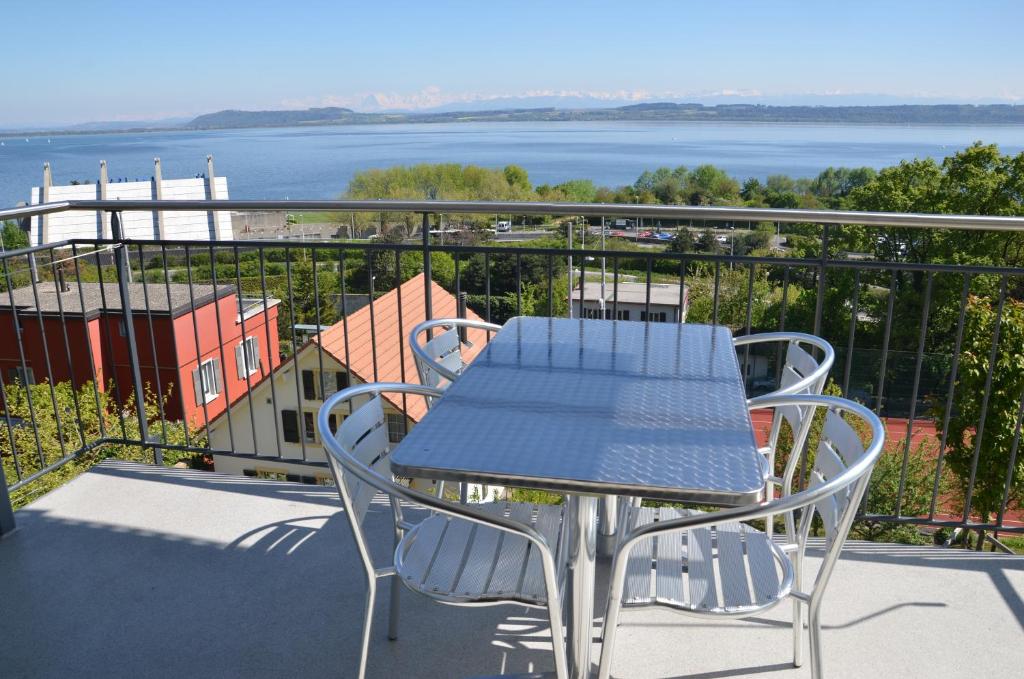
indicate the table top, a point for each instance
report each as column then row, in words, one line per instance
column 594, row 406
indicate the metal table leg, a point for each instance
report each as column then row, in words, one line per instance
column 608, row 515
column 579, row 599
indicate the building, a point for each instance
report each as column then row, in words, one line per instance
column 137, row 225
column 191, row 345
column 276, row 421
column 631, row 302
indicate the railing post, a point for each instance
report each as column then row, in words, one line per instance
column 819, row 303
column 122, row 265
column 428, row 306
column 7, row 524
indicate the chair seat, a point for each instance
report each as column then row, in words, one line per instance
column 458, row 561
column 729, row 569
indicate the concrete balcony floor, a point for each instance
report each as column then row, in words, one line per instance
column 137, row 571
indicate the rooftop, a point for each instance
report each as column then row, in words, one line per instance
column 134, row 570
column 630, row 293
column 159, row 298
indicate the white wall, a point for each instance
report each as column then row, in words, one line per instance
column 138, row 225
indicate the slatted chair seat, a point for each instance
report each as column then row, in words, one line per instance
column 466, row 562
column 729, row 569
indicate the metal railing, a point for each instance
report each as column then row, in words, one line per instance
column 106, row 343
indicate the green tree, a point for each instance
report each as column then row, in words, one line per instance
column 12, row 237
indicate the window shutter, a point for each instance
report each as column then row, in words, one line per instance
column 197, row 384
column 308, row 386
column 218, row 385
column 290, row 425
column 255, row 352
column 240, row 360
column 341, row 380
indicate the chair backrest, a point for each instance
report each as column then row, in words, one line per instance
column 802, row 373
column 439, row 359
column 444, row 350
column 839, row 448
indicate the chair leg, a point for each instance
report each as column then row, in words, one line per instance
column 364, row 650
column 611, row 619
column 814, row 630
column 396, row 590
column 798, row 625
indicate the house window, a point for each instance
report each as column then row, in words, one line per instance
column 622, row 314
column 396, row 427
column 22, row 376
column 206, row 380
column 653, row 317
column 332, row 422
column 247, row 357
column 271, row 474
column 290, row 426
column 308, row 427
column 331, row 382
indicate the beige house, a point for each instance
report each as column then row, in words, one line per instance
column 632, row 302
column 276, row 421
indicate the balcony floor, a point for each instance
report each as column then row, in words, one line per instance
column 133, row 571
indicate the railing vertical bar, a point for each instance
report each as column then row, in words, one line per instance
column 105, row 332
column 401, row 326
column 854, row 310
column 427, row 272
column 519, row 284
column 986, row 394
column 1011, row 467
column 370, row 258
column 271, row 349
column 682, row 290
column 615, row 288
column 123, row 267
column 58, row 282
column 344, row 314
column 487, row 283
column 953, row 373
column 820, row 299
column 15, row 456
column 220, row 349
column 100, row 423
column 152, row 343
column 300, row 412
column 647, row 291
column 782, row 316
column 583, row 284
column 749, row 320
column 185, row 422
column 24, row 364
column 319, row 326
column 714, row 297
column 195, row 339
column 57, row 414
column 885, row 345
column 551, row 285
column 245, row 350
column 925, row 310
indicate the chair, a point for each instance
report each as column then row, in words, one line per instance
column 669, row 557
column 439, row 363
column 801, row 374
column 439, row 359
column 482, row 554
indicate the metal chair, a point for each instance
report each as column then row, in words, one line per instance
column 480, row 554
column 801, row 374
column 439, row 363
column 439, row 360
column 681, row 559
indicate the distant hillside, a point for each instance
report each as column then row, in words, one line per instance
column 903, row 114
column 233, row 118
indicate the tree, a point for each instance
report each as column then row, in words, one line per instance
column 12, row 237
column 1002, row 417
column 517, row 178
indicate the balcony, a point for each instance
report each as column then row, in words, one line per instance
column 135, row 570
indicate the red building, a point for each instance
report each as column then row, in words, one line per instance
column 190, row 341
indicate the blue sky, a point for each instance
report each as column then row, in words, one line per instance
column 74, row 60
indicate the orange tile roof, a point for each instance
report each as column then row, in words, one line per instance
column 394, row 358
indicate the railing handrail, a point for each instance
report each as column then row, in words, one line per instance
column 712, row 213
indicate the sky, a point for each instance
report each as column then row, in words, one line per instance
column 68, row 61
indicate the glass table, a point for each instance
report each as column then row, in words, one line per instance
column 593, row 409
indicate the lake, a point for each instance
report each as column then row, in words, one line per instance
column 317, row 162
